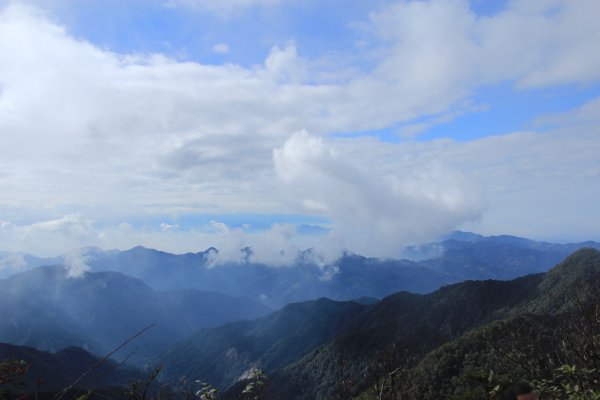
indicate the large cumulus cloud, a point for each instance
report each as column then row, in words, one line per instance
column 374, row 213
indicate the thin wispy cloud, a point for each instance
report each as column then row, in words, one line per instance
column 221, row 48
column 221, row 8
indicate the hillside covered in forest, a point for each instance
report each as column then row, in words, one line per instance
column 440, row 345
column 462, row 341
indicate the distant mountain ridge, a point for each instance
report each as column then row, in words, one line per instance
column 457, row 257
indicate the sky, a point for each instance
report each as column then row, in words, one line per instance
column 283, row 125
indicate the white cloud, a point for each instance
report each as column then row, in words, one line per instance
column 86, row 129
column 374, row 213
column 274, row 246
column 168, row 227
column 70, row 235
column 48, row 237
column 284, row 65
column 540, row 43
column 587, row 114
column 381, row 196
column 436, row 54
column 539, row 184
column 221, row 48
column 12, row 263
column 76, row 262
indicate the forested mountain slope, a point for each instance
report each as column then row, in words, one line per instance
column 402, row 329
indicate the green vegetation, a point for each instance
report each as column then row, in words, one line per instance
column 558, row 352
column 463, row 342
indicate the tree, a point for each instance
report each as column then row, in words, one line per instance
column 256, row 387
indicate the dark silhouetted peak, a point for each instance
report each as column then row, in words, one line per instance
column 210, row 250
column 247, row 252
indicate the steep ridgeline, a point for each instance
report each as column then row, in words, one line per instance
column 306, row 349
column 46, row 373
column 558, row 327
column 47, row 309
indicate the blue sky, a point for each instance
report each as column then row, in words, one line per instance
column 342, row 125
column 189, row 33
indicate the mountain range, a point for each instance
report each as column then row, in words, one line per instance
column 304, row 347
column 437, row 322
column 456, row 257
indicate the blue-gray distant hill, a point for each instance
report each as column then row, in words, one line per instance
column 457, row 257
column 46, row 309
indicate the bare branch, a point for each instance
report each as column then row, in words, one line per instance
column 63, row 392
